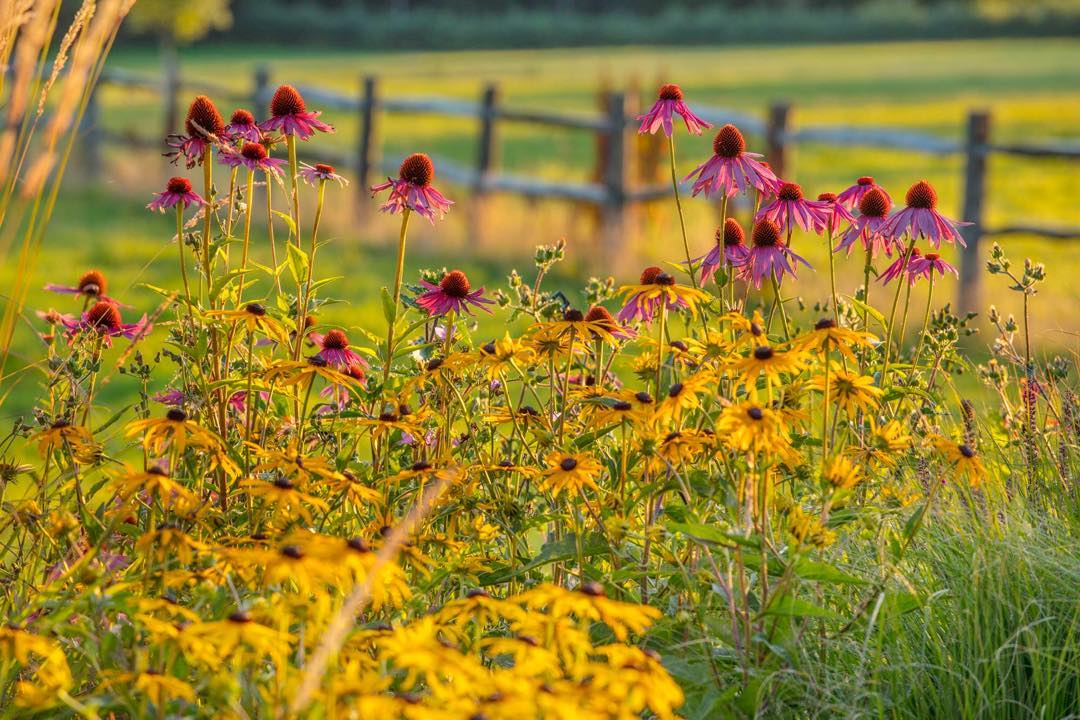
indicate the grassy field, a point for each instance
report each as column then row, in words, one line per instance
column 1032, row 88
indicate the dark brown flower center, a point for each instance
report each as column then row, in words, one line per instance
column 921, row 195
column 287, row 101
column 824, row 324
column 874, row 203
column 242, row 117
column 203, row 118
column 670, row 92
column 283, row 484
column 417, row 169
column 253, row 151
column 755, row 413
column 178, row 185
column 790, row 191
column 104, row 316
column 643, row 397
column 664, row 279
column 592, row 589
column 729, row 142
column 335, row 340
column 420, row 466
column 240, row 617
column 766, row 234
column 568, row 464
column 433, row 364
column 622, row 406
column 292, row 551
column 176, row 415
column 763, row 352
column 358, row 544
column 966, row 451
column 675, row 390
column 455, row 284
column 731, row 234
column 388, row 417
column 573, row 315
column 92, row 283
column 255, row 309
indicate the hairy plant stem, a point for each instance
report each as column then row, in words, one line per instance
column 397, row 293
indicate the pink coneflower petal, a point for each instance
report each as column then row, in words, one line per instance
column 453, row 293
column 920, row 219
column 851, row 196
column 732, row 169
column 791, row 209
column 670, row 102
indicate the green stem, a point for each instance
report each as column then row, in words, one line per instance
column 678, row 207
column 304, row 299
column 660, row 347
column 290, row 143
column 925, row 322
column 892, row 310
column 397, row 292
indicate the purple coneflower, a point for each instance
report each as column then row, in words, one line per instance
column 851, row 197
column 670, row 100
column 334, row 349
column 339, row 395
column 242, row 126
column 732, row 168
column 602, row 316
column 837, row 213
column 104, row 319
column 897, row 266
column 452, row 294
column 291, row 117
column 790, row 208
column 921, row 219
column 91, row 285
column 925, row 266
column 320, row 172
column 253, row 156
column 638, row 307
column 204, row 126
column 769, row 256
column 177, row 190
column 869, row 227
column 413, row 189
column 730, row 249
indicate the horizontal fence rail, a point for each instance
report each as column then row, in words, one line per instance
column 611, row 191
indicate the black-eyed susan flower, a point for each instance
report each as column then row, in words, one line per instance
column 827, row 335
column 749, row 427
column 682, row 397
column 770, row 363
column 963, row 459
column 499, row 356
column 158, row 688
column 237, row 637
column 656, row 289
column 590, row 602
column 63, row 434
column 285, row 500
column 570, row 473
column 156, row 484
column 883, row 444
column 174, row 431
column 849, row 390
column 840, row 473
column 255, row 319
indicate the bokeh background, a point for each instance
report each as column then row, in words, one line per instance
column 901, row 66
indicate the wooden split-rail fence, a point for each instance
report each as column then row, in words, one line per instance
column 611, row 193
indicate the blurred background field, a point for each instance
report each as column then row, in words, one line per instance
column 1031, row 87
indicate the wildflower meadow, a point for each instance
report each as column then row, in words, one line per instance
column 678, row 494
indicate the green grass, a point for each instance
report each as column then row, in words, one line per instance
column 1030, row 86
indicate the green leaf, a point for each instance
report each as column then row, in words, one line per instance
column 389, row 307
column 116, row 416
column 288, row 221
column 710, row 534
column 787, row 605
column 555, row 551
column 813, row 570
column 869, row 309
column 298, row 262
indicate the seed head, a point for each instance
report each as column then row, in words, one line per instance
column 203, row 118
column 92, row 283
column 324, row 168
column 766, row 233
column 292, row 551
column 358, row 544
column 921, row 195
column 729, row 142
column 287, row 101
column 824, row 324
column 643, row 397
column 600, row 315
column 789, row 191
column 670, row 92
column 573, row 315
column 335, row 340
column 931, row 256
column 763, row 352
column 242, row 117
column 176, row 415
column 827, row 197
column 420, row 466
column 865, row 180
column 755, row 413
column 104, row 316
column 874, row 204
column 455, row 284
column 664, row 279
column 568, row 464
column 178, row 185
column 731, row 233
column 966, row 451
column 417, row 169
column 675, row 390
column 649, row 275
column 253, row 151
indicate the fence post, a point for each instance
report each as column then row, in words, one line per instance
column 90, row 144
column 485, row 157
column 978, row 138
column 366, row 150
column 776, row 137
column 260, row 89
column 171, row 86
column 614, row 183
